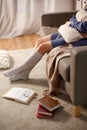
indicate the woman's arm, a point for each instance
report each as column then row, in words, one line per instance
column 80, row 26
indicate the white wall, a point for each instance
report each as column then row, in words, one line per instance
column 45, row 6
column 63, row 5
column 54, row 5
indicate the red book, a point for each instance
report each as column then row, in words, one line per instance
column 43, row 113
column 43, row 116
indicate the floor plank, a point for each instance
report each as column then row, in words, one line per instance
column 21, row 42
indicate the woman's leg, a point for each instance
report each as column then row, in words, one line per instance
column 42, row 40
column 43, row 45
column 17, row 72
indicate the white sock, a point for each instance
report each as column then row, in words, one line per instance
column 23, row 75
column 32, row 60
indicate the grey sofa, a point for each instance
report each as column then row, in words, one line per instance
column 73, row 70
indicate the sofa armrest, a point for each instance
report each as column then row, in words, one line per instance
column 78, row 75
column 56, row 19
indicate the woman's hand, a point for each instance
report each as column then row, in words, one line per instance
column 84, row 35
column 68, row 23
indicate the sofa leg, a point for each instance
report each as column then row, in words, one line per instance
column 76, row 111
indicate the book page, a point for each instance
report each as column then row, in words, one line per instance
column 11, row 94
column 25, row 95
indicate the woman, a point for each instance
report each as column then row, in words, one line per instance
column 44, row 45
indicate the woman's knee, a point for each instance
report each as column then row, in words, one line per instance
column 41, row 48
column 38, row 42
column 44, row 48
column 42, row 40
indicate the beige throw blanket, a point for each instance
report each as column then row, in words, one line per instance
column 70, row 35
column 52, row 62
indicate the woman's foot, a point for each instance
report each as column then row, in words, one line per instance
column 28, row 64
column 24, row 75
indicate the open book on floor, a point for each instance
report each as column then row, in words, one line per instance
column 22, row 95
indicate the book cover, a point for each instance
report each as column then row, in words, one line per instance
column 22, row 95
column 49, row 103
column 43, row 111
column 43, row 116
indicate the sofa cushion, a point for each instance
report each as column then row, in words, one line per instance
column 46, row 30
column 64, row 68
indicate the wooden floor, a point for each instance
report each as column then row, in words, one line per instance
column 21, row 42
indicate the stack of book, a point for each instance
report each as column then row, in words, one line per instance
column 46, row 107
